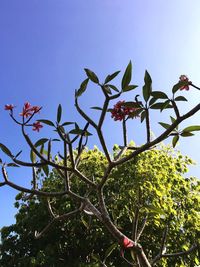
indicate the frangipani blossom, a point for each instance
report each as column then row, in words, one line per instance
column 184, row 78
column 28, row 110
column 37, row 126
column 9, row 107
column 119, row 111
column 127, row 243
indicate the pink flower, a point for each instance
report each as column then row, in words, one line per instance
column 28, row 110
column 119, row 111
column 127, row 243
column 35, row 109
column 184, row 78
column 9, row 107
column 37, row 126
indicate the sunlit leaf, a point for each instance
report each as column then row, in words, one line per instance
column 92, row 76
column 127, row 76
column 41, row 142
column 192, row 128
column 175, row 140
column 159, row 94
column 111, row 76
column 82, row 88
column 48, row 122
column 5, row 150
column 180, row 98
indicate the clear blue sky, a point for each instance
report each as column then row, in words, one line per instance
column 46, row 44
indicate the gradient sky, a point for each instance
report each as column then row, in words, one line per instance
column 46, row 44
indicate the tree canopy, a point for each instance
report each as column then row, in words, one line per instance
column 151, row 189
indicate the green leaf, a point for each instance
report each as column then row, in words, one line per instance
column 97, row 108
column 152, row 101
column 67, row 123
column 166, row 104
column 82, row 88
column 129, row 88
column 111, row 76
column 59, row 113
column 113, row 87
column 155, row 209
column 160, row 106
column 48, row 122
column 41, row 142
column 92, row 76
column 127, row 76
column 147, row 88
column 135, row 113
column 192, row 128
column 110, row 250
column 32, row 156
column 159, row 94
column 180, row 98
column 85, row 223
column 143, row 116
column 96, row 257
column 131, row 104
column 177, row 86
column 45, row 169
column 76, row 131
column 186, row 134
column 6, row 150
column 175, row 140
column 165, row 125
column 173, row 120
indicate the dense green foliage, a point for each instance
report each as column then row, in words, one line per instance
column 153, row 184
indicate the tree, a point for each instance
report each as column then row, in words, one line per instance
column 159, row 208
column 90, row 199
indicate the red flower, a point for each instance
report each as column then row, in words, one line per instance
column 184, row 78
column 35, row 109
column 37, row 126
column 28, row 110
column 119, row 111
column 127, row 243
column 9, row 107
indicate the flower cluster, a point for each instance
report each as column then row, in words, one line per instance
column 27, row 112
column 184, row 78
column 119, row 111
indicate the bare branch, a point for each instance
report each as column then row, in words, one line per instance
column 51, row 163
column 142, row 228
column 103, row 113
column 135, row 224
column 124, row 132
column 159, row 256
column 175, row 108
column 31, row 191
column 54, row 220
column 181, row 253
column 148, row 125
column 83, row 114
column 50, row 209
